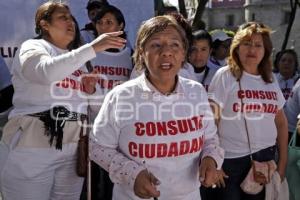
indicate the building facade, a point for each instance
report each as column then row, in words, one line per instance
column 229, row 14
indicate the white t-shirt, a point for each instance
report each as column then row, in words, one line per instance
column 216, row 64
column 205, row 77
column 261, row 103
column 292, row 107
column 286, row 86
column 168, row 132
column 113, row 68
column 45, row 76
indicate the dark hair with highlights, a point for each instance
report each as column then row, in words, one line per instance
column 244, row 33
column 44, row 12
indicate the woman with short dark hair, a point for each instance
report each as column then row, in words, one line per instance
column 155, row 134
column 39, row 144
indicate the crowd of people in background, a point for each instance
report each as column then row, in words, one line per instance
column 179, row 115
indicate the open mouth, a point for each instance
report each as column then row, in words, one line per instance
column 166, row 66
column 71, row 30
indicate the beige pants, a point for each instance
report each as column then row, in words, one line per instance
column 31, row 170
column 33, row 132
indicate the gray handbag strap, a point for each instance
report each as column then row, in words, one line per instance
column 245, row 122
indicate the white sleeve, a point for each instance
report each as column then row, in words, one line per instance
column 40, row 67
column 211, row 146
column 217, row 90
column 104, row 146
column 281, row 99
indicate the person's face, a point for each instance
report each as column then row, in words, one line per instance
column 61, row 28
column 92, row 13
column 200, row 52
column 287, row 65
column 163, row 55
column 222, row 51
column 108, row 23
column 252, row 51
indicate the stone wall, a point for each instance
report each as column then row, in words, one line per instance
column 272, row 13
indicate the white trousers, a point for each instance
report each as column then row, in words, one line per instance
column 38, row 173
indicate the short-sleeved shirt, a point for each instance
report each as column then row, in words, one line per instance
column 261, row 103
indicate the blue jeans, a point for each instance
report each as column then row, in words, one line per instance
column 237, row 169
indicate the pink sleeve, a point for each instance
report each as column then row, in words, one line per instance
column 212, row 149
column 104, row 146
column 121, row 169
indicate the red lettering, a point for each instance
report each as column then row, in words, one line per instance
column 270, row 108
column 161, row 128
column 191, row 125
column 65, row 83
column 132, row 149
column 149, row 150
column 77, row 73
column 162, row 150
column 150, row 129
column 262, row 95
column 182, row 126
column 184, row 147
column 195, row 119
column 172, row 128
column 200, row 124
column 195, row 146
column 139, row 131
column 269, row 95
column 72, row 84
column 103, row 70
column 274, row 94
column 141, row 152
column 241, row 94
column 248, row 94
column 255, row 94
column 110, row 84
column 201, row 142
column 235, row 107
column 119, row 71
column 111, row 71
column 173, row 150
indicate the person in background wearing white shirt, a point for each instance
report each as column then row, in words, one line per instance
column 38, row 150
column 155, row 134
column 248, row 101
column 89, row 32
column 220, row 49
column 292, row 108
column 111, row 67
column 198, row 56
column 286, row 66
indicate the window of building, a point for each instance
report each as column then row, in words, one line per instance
column 230, row 20
column 287, row 16
column 253, row 17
